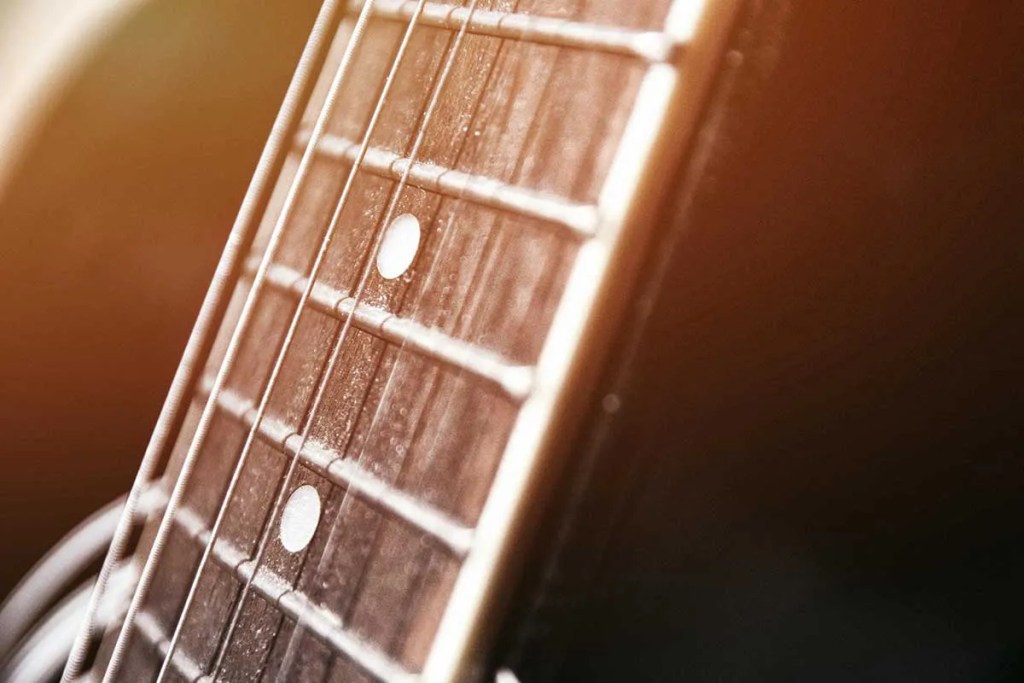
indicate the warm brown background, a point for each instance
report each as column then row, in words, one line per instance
column 109, row 238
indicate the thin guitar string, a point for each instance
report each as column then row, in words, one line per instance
column 483, row 264
column 289, row 337
column 438, row 88
column 245, row 317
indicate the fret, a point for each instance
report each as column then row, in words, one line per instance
column 514, row 380
column 320, row 621
column 581, row 220
column 149, row 628
column 651, row 46
column 350, row 475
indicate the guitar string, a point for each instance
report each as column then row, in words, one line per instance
column 244, row 224
column 289, row 337
column 483, row 264
column 246, row 315
column 346, row 498
column 396, row 194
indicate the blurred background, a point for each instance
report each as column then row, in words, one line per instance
column 129, row 131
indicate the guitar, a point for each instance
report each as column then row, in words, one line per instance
column 393, row 450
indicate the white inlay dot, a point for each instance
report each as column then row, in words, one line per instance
column 300, row 517
column 399, row 246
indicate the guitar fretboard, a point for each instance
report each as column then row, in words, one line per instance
column 414, row 399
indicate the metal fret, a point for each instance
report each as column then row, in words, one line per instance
column 581, row 220
column 147, row 626
column 321, row 622
column 514, row 380
column 350, row 475
column 651, row 46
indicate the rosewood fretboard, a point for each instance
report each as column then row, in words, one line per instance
column 417, row 407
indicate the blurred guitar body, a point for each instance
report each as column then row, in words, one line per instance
column 643, row 341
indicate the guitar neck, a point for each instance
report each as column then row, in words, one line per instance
column 416, row 302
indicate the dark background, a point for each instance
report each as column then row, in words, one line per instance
column 110, row 235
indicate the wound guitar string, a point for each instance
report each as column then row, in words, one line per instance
column 364, row 279
column 289, row 337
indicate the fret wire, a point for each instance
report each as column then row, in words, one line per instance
column 331, row 541
column 342, row 335
column 245, row 223
column 580, row 219
column 232, row 351
column 652, row 46
column 323, row 623
column 351, row 476
column 512, row 379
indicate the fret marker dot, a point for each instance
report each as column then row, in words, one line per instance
column 399, row 246
column 300, row 518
